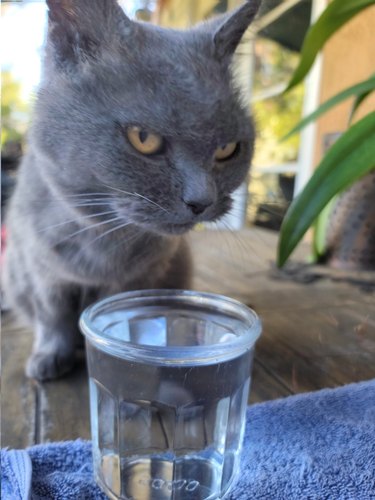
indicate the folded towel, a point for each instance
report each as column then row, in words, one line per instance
column 315, row 446
column 15, row 475
column 61, row 471
column 312, row 446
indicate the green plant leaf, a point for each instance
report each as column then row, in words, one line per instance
column 351, row 157
column 320, row 230
column 360, row 89
column 332, row 19
column 357, row 102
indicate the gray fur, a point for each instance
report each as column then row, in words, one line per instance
column 103, row 73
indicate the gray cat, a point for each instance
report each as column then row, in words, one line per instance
column 138, row 134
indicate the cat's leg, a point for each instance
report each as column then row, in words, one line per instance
column 55, row 340
column 48, row 307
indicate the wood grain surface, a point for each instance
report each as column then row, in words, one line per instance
column 317, row 333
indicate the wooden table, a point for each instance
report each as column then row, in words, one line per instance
column 318, row 332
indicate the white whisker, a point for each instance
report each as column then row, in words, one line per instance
column 76, row 219
column 241, row 244
column 88, row 195
column 78, row 202
column 88, row 227
column 90, row 204
column 139, row 196
column 105, row 234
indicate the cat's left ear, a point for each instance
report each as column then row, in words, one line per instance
column 79, row 28
column 232, row 27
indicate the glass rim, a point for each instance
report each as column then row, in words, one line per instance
column 201, row 354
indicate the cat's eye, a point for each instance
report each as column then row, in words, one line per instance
column 147, row 143
column 226, row 151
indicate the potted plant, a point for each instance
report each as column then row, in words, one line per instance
column 348, row 165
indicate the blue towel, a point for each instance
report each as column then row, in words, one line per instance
column 15, row 474
column 312, row 446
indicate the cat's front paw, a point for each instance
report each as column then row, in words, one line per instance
column 45, row 366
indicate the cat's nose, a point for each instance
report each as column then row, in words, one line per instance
column 198, row 206
column 199, row 189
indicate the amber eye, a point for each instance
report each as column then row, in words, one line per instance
column 226, row 151
column 147, row 143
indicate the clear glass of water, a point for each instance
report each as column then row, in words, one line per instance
column 169, row 375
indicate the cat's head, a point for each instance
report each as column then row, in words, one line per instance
column 148, row 115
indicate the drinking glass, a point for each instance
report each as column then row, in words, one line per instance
column 169, row 376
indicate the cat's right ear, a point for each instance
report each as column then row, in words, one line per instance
column 78, row 29
column 229, row 28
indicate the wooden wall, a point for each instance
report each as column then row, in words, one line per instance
column 348, row 58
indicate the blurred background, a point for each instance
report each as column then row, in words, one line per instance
column 265, row 62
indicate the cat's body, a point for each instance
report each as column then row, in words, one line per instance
column 94, row 212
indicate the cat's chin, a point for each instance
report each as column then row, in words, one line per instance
column 174, row 229
column 181, row 229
